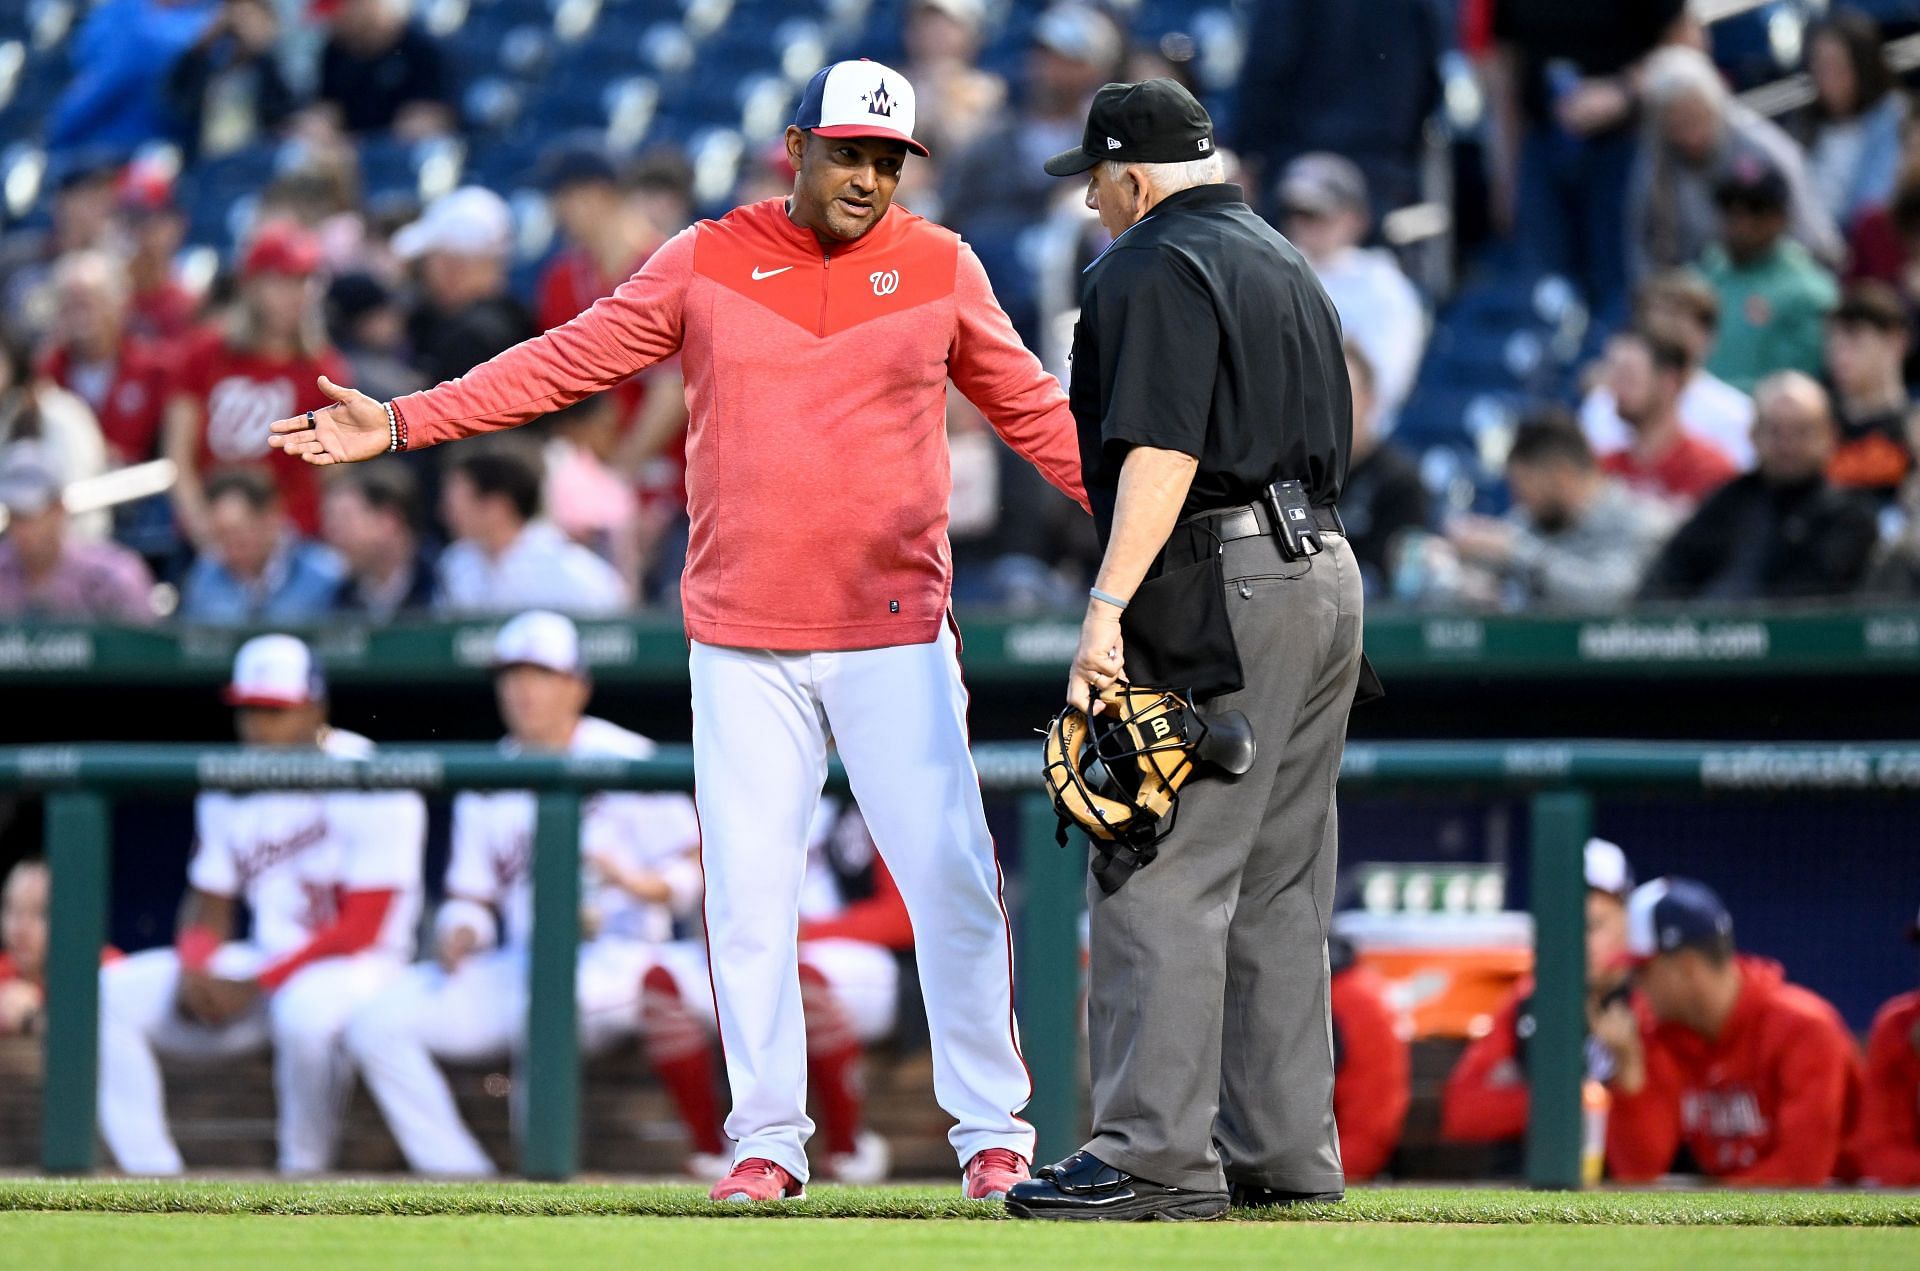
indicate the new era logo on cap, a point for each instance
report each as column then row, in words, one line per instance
column 859, row 99
column 1154, row 121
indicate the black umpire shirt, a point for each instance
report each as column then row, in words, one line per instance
column 1203, row 331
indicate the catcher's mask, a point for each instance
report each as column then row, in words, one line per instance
column 1117, row 775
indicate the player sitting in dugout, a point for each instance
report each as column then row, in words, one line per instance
column 1372, row 1065
column 639, row 872
column 1485, row 1099
column 331, row 882
column 1887, row 1148
column 1757, row 1079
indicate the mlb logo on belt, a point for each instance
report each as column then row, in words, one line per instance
column 859, row 99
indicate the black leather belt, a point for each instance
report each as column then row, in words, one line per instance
column 1254, row 521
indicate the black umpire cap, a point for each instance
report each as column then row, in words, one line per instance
column 1154, row 121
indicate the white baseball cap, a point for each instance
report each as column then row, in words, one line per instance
column 859, row 99
column 542, row 638
column 276, row 671
column 1607, row 868
column 469, row 221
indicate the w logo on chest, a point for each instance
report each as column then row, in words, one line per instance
column 238, row 412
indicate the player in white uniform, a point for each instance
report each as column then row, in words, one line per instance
column 331, row 880
column 853, row 924
column 639, row 854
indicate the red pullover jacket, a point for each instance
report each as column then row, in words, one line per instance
column 1373, row 1067
column 1767, row 1103
column 1888, row 1147
column 816, row 380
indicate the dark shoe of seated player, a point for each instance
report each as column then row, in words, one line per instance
column 1083, row 1187
column 1247, row 1196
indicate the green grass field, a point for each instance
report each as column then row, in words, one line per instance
column 291, row 1227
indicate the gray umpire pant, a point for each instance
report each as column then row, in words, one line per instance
column 1210, row 1033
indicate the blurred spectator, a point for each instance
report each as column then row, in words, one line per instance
column 464, row 314
column 1372, row 1065
column 1486, row 1097
column 1774, row 296
column 660, row 185
column 373, row 518
column 121, row 58
column 227, row 90
column 1563, row 87
column 1781, row 530
column 1681, row 301
column 32, row 408
column 956, row 98
column 91, row 353
column 1887, row 1149
column 261, row 363
column 1896, row 567
column 1647, row 370
column 1324, row 211
column 1383, row 498
column 1698, row 139
column 1757, row 1078
column 606, row 240
column 1881, row 239
column 159, row 306
column 995, row 191
column 380, row 71
column 45, row 571
column 83, row 204
column 1856, row 117
column 23, row 948
column 1576, row 538
column 1867, row 342
column 503, row 558
column 639, row 431
column 592, row 503
column 369, row 328
column 1358, row 80
column 254, row 566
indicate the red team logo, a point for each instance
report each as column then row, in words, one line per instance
column 238, row 412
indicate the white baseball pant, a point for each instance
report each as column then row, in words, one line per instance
column 761, row 723
column 140, row 1020
column 478, row 1014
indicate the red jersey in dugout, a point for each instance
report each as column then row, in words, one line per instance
column 1770, row 1102
column 1373, row 1070
column 239, row 394
column 1887, row 1149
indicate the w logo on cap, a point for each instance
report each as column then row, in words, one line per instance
column 879, row 101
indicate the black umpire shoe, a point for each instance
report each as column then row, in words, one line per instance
column 1246, row 1196
column 1085, row 1188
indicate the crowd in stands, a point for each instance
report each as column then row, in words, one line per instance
column 1728, row 420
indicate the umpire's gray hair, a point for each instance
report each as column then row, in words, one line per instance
column 1171, row 178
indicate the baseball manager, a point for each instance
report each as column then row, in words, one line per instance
column 1212, row 404
column 818, row 334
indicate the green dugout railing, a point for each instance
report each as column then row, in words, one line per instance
column 80, row 783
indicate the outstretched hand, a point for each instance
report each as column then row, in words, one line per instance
column 352, row 429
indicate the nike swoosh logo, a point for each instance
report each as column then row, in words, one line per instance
column 758, row 275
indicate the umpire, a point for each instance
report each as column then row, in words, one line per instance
column 1212, row 402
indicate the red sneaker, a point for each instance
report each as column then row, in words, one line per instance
column 992, row 1171
column 756, row 1179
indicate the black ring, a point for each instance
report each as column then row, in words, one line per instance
column 309, row 419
